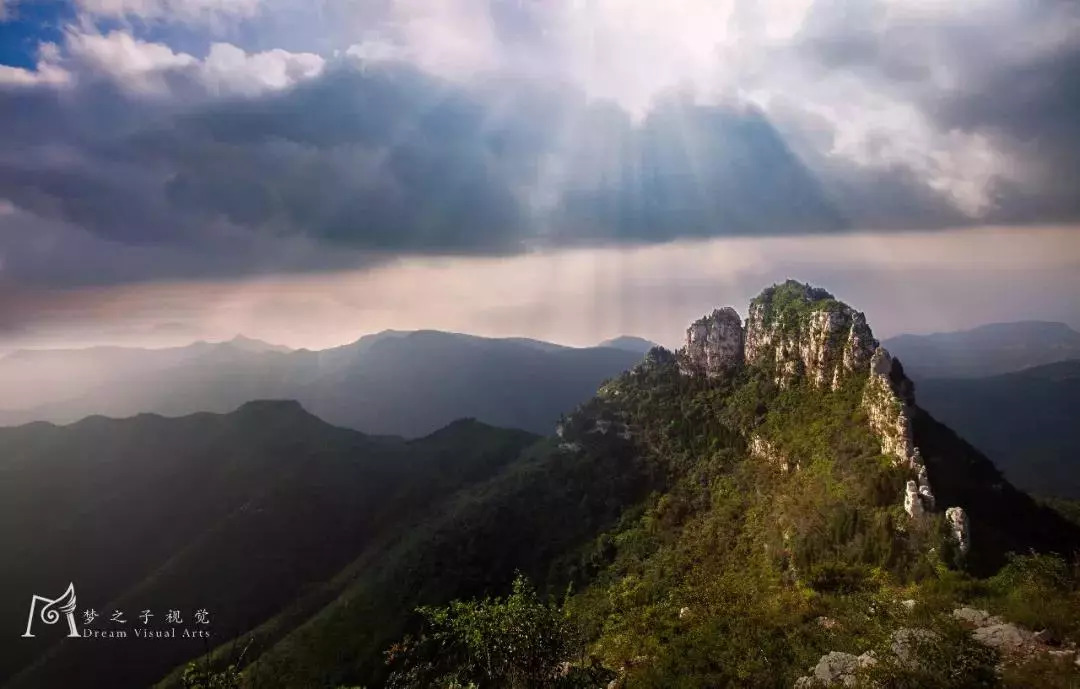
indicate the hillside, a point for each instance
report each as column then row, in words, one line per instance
column 242, row 514
column 725, row 515
column 987, row 350
column 398, row 383
column 630, row 343
column 1026, row 421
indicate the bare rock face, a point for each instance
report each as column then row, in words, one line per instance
column 958, row 521
column 764, row 450
column 802, row 331
column 913, row 504
column 889, row 401
column 887, row 412
column 714, row 344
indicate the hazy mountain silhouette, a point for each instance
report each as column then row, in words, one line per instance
column 404, row 383
column 630, row 343
column 986, row 350
column 1028, row 422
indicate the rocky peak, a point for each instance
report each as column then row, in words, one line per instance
column 800, row 332
column 803, row 331
column 714, row 344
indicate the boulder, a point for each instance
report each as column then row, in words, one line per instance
column 1006, row 638
column 835, row 669
column 976, row 618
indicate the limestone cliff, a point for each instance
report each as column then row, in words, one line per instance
column 714, row 344
column 802, row 333
column 889, row 401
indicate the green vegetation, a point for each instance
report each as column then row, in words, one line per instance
column 202, row 677
column 682, row 532
column 734, row 572
column 519, row 642
column 788, row 304
column 689, row 561
column 246, row 515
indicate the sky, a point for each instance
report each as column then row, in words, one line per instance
column 307, row 172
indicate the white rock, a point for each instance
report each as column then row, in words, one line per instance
column 958, row 521
column 714, row 344
column 976, row 617
column 913, row 504
column 835, row 669
column 1003, row 637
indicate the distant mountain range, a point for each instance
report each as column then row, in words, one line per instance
column 401, row 383
column 985, row 351
column 629, row 343
column 1011, row 389
column 1027, row 422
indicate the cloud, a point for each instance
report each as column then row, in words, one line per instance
column 185, row 11
column 364, row 131
column 910, row 282
column 147, row 68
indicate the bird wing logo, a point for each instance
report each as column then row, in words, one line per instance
column 49, row 611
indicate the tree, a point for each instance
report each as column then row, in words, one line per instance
column 517, row 642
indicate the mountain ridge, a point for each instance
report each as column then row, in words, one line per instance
column 240, row 513
column 722, row 515
column 801, row 472
column 393, row 382
column 989, row 349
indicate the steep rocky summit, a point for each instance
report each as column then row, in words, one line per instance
column 714, row 344
column 802, row 333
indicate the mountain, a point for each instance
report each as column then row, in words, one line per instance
column 60, row 380
column 418, row 382
column 399, row 383
column 1027, row 421
column 987, row 350
column 248, row 515
column 638, row 345
column 252, row 345
column 768, row 499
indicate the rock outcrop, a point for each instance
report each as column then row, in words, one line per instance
column 714, row 344
column 802, row 331
column 1011, row 640
column 798, row 332
column 889, row 401
column 958, row 521
column 764, row 450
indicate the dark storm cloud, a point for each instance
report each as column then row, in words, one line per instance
column 378, row 160
column 1011, row 76
column 371, row 160
column 390, row 160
